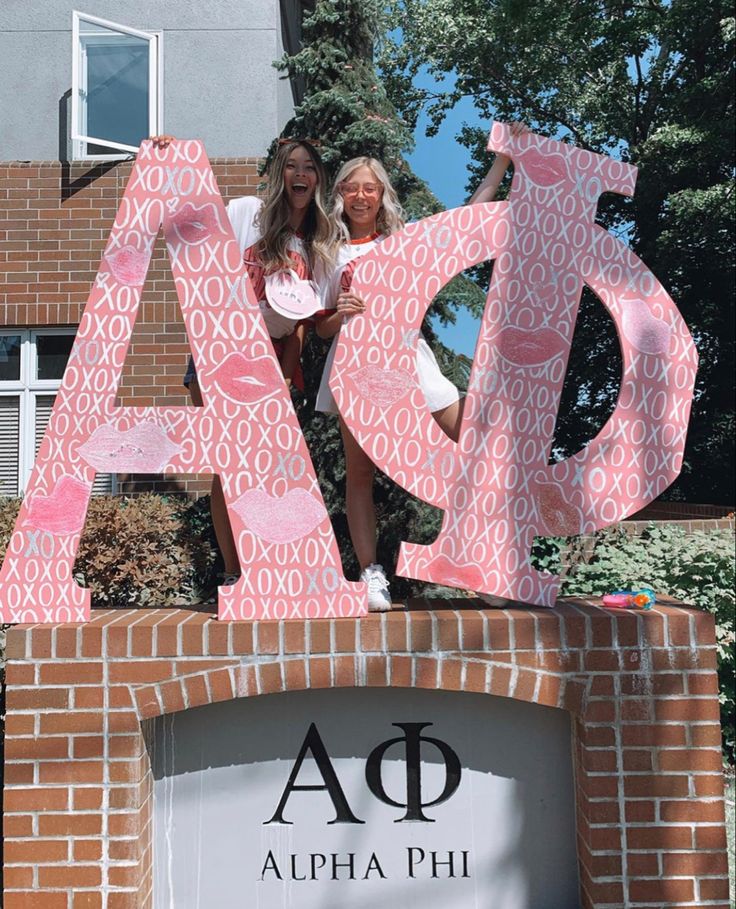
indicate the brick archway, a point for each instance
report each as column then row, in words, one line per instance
column 642, row 690
column 477, row 673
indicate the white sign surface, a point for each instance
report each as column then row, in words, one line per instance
column 364, row 798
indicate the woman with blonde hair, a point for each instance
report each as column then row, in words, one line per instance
column 365, row 210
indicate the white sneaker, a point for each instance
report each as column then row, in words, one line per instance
column 379, row 597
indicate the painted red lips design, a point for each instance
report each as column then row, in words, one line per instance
column 467, row 577
column 543, row 170
column 280, row 519
column 247, row 381
column 194, row 225
column 142, row 449
column 643, row 329
column 560, row 517
column 61, row 512
column 383, row 387
column 128, row 265
column 526, row 347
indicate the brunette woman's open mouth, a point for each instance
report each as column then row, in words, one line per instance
column 300, row 189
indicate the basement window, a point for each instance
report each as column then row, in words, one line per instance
column 32, row 363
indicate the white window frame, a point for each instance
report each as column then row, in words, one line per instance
column 28, row 387
column 80, row 140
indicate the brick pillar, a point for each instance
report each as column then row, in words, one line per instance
column 641, row 687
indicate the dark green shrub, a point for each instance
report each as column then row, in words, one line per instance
column 143, row 551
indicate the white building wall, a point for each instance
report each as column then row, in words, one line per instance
column 219, row 83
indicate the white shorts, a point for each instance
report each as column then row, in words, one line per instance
column 278, row 326
column 439, row 392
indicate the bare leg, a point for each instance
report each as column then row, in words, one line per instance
column 359, row 505
column 360, row 471
column 291, row 353
column 218, row 508
column 450, row 418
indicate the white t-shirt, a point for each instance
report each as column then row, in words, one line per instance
column 439, row 392
column 243, row 214
column 345, row 265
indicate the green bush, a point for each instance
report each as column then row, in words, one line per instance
column 8, row 514
column 696, row 568
column 143, row 551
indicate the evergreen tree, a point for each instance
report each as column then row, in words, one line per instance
column 346, row 108
column 345, row 105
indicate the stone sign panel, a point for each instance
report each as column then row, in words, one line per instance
column 364, row 798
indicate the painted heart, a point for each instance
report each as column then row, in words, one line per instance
column 194, row 225
column 644, row 330
column 144, row 448
column 560, row 517
column 291, row 296
column 382, row 387
column 526, row 347
column 62, row 511
column 545, row 292
column 466, row 577
column 128, row 265
column 247, row 381
column 280, row 519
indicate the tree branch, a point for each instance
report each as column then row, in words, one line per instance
column 637, row 98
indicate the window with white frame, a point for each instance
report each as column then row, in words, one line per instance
column 116, row 87
column 31, row 368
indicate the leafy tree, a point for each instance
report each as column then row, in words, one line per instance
column 346, row 107
column 649, row 81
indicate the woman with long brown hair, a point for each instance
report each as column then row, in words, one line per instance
column 285, row 241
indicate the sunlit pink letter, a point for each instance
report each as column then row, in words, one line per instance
column 496, row 486
column 247, row 431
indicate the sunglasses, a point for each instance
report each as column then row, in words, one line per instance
column 315, row 143
column 371, row 190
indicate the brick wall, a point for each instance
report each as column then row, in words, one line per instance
column 684, row 511
column 641, row 688
column 55, row 219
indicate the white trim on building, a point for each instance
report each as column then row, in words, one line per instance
column 26, row 399
column 92, row 33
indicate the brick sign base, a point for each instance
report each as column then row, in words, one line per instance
column 642, row 690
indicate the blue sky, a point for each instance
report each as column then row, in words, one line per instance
column 443, row 163
column 440, row 159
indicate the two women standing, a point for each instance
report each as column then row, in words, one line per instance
column 289, row 233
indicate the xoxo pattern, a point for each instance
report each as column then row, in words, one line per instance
column 495, row 485
column 247, row 431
